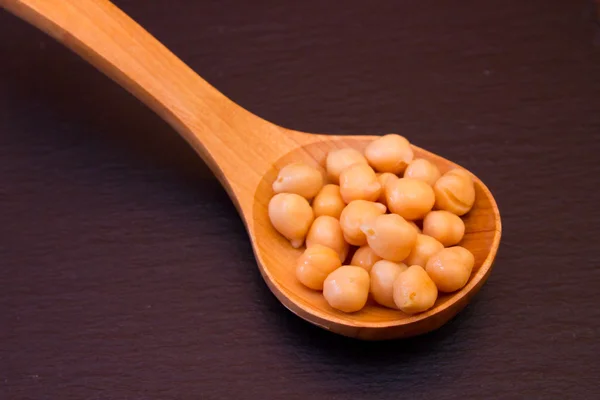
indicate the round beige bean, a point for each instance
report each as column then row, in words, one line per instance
column 359, row 182
column 364, row 257
column 328, row 202
column 291, row 215
column 423, row 170
column 354, row 215
column 390, row 153
column 414, row 291
column 467, row 257
column 347, row 288
column 299, row 178
column 383, row 179
column 390, row 236
column 446, row 227
column 315, row 264
column 425, row 247
column 326, row 231
column 455, row 192
column 450, row 269
column 383, row 274
column 410, row 198
column 339, row 160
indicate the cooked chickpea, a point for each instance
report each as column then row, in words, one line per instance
column 365, row 258
column 326, row 231
column 455, row 192
column 425, row 247
column 359, row 182
column 410, row 198
column 315, row 264
column 383, row 179
column 347, row 288
column 355, row 214
column 423, row 170
column 299, row 178
column 339, row 160
column 414, row 291
column 328, row 202
column 467, row 257
column 390, row 153
column 383, row 274
column 390, row 236
column 291, row 215
column 352, row 211
column 446, row 227
column 450, row 268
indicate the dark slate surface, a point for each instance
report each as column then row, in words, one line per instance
column 125, row 272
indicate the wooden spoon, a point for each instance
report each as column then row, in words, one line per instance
column 245, row 153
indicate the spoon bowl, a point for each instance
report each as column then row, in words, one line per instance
column 245, row 153
column 277, row 259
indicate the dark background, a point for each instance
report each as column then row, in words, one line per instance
column 125, row 272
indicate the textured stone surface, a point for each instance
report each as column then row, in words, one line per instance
column 125, row 272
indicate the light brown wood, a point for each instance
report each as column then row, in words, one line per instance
column 245, row 152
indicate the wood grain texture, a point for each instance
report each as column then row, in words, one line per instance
column 120, row 252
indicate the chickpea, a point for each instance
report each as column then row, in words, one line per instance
column 299, row 178
column 414, row 291
column 383, row 274
column 328, row 202
column 355, row 214
column 455, row 192
column 423, row 170
column 347, row 288
column 446, row 227
column 359, row 182
column 315, row 264
column 339, row 160
column 291, row 216
column 383, row 179
column 450, row 268
column 365, row 258
column 390, row 237
column 467, row 257
column 410, row 198
column 425, row 247
column 389, row 153
column 326, row 231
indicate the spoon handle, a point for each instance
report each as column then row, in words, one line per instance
column 231, row 140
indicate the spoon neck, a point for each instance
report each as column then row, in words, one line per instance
column 236, row 144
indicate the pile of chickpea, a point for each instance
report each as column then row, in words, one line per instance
column 399, row 265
